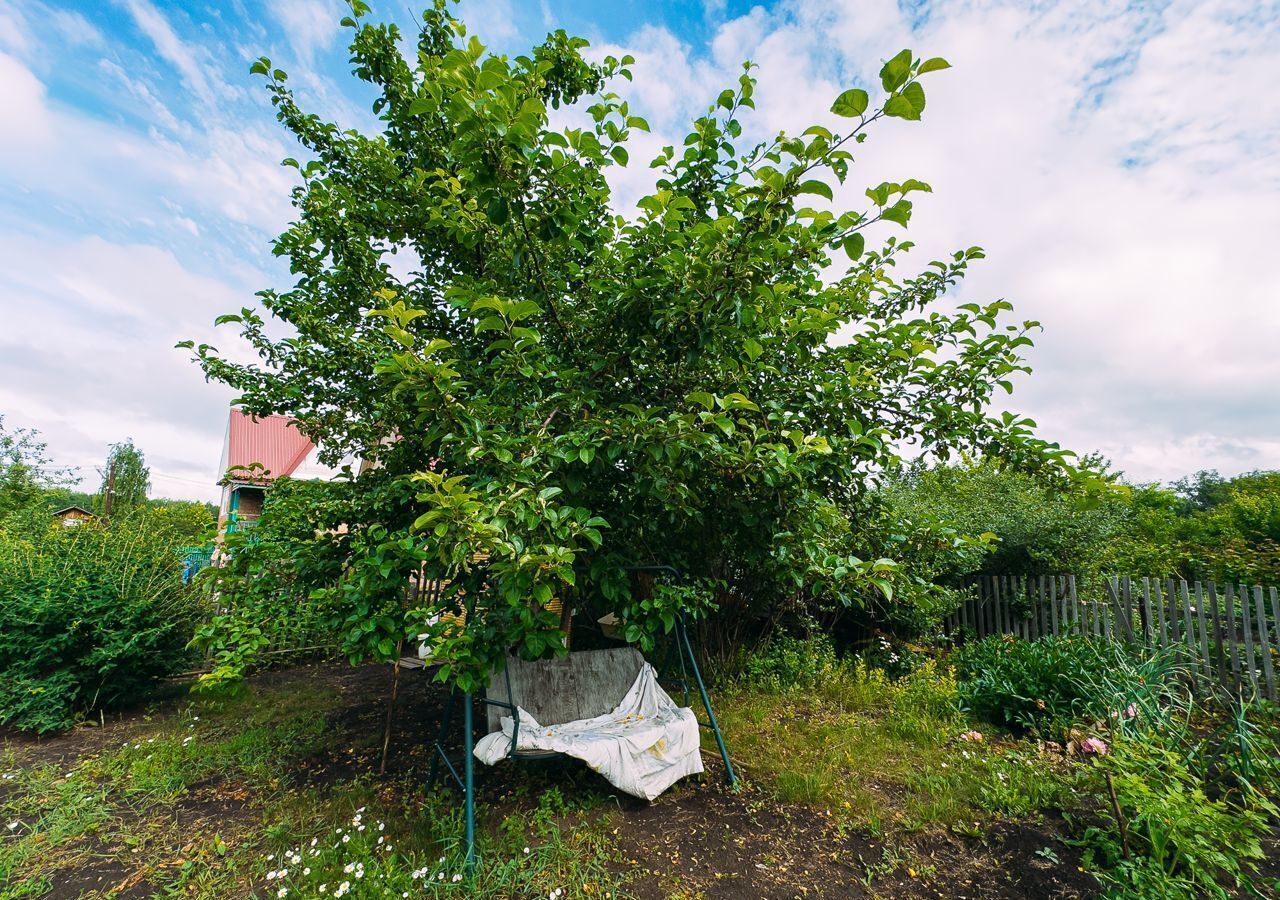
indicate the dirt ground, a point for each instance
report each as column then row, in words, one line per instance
column 698, row 840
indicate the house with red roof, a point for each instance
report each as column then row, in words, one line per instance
column 256, row 451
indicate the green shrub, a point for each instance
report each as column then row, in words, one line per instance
column 89, row 618
column 793, row 663
column 1026, row 685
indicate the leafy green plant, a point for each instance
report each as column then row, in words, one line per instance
column 792, row 663
column 90, row 617
column 1026, row 685
column 1172, row 839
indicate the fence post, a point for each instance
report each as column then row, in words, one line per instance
column 1264, row 645
column 1052, row 604
column 1233, row 638
column 1161, row 618
column 1215, row 615
column 1042, row 602
column 1275, row 615
column 1205, row 664
column 1188, row 629
column 1249, row 656
column 1125, row 630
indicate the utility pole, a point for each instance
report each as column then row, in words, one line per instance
column 109, row 500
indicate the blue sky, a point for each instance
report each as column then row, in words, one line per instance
column 1120, row 163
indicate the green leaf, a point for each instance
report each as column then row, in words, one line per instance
column 896, row 71
column 851, row 103
column 753, row 348
column 900, row 212
column 619, row 154
column 814, row 186
column 934, row 65
column 497, row 210
column 897, row 106
column 703, row 399
column 854, row 245
column 261, row 66
column 907, row 105
column 491, row 323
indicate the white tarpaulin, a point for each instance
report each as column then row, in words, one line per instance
column 643, row 746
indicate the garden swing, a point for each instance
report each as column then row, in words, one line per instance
column 583, row 688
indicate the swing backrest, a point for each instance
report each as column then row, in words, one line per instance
column 582, row 685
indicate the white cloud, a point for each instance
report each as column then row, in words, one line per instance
column 25, row 121
column 309, row 25
column 87, row 353
column 75, row 29
column 192, row 62
column 13, row 30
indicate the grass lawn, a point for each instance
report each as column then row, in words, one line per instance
column 860, row 787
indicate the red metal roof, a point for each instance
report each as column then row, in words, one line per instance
column 273, row 441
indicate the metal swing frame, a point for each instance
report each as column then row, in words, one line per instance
column 679, row 647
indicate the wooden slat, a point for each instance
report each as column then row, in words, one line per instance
column 1072, row 597
column 996, row 595
column 987, row 615
column 1127, row 588
column 1161, row 621
column 1025, row 585
column 1042, row 599
column 1065, row 602
column 1014, row 589
column 1075, row 612
column 1053, row 605
column 1206, row 664
column 1264, row 644
column 1147, row 615
column 1275, row 617
column 1215, row 618
column 1095, row 612
column 1233, row 638
column 1175, row 619
column 993, row 610
column 1188, row 626
column 1250, row 658
column 1124, row 629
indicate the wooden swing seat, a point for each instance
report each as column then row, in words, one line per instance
column 582, row 685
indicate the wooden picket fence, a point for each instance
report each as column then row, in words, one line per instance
column 1228, row 634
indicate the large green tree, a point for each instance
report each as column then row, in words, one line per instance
column 561, row 388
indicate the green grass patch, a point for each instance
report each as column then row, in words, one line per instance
column 885, row 753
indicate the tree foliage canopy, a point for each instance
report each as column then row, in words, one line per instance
column 561, row 387
column 126, row 479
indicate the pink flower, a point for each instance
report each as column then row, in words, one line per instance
column 1131, row 711
column 973, row 737
column 1094, row 747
